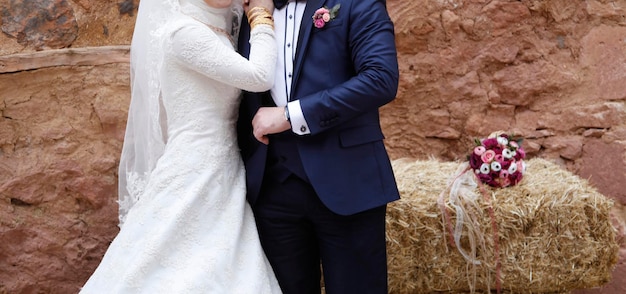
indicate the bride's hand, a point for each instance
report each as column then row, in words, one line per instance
column 267, row 4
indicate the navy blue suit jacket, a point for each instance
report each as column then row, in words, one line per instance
column 343, row 72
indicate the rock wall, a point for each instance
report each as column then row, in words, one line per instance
column 553, row 71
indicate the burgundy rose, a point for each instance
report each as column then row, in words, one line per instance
column 515, row 177
column 474, row 161
column 490, row 143
column 505, row 164
column 485, row 178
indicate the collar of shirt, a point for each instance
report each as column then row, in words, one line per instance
column 287, row 22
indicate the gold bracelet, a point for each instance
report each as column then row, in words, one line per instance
column 261, row 22
column 256, row 12
column 257, row 9
column 260, row 15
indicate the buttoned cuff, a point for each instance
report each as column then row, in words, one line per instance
column 298, row 123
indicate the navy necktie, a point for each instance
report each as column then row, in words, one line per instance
column 280, row 3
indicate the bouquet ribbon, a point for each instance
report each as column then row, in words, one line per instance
column 462, row 197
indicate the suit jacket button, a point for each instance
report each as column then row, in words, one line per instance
column 303, row 129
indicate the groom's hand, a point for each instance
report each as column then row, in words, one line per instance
column 267, row 121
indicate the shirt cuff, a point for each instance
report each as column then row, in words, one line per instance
column 298, row 123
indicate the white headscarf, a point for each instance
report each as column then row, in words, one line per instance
column 146, row 129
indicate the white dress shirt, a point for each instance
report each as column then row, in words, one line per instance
column 287, row 22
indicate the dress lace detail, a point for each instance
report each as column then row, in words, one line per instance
column 186, row 227
column 135, row 185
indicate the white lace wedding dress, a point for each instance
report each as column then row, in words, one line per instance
column 192, row 231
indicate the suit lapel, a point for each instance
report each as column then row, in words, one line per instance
column 303, row 39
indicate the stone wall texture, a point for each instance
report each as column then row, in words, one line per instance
column 552, row 71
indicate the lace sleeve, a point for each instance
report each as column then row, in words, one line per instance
column 200, row 48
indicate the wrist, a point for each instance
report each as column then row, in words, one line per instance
column 287, row 117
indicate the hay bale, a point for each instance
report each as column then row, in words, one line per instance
column 553, row 233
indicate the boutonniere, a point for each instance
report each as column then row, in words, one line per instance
column 324, row 15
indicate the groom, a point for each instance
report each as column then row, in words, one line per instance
column 318, row 175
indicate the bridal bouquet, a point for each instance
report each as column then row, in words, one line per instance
column 498, row 160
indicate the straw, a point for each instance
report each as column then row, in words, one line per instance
column 553, row 232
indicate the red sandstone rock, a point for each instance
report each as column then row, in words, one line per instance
column 40, row 24
column 59, row 154
column 603, row 164
column 604, row 53
column 567, row 147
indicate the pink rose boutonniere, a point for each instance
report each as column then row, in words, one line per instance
column 324, row 15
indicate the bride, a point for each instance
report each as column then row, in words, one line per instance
column 185, row 225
